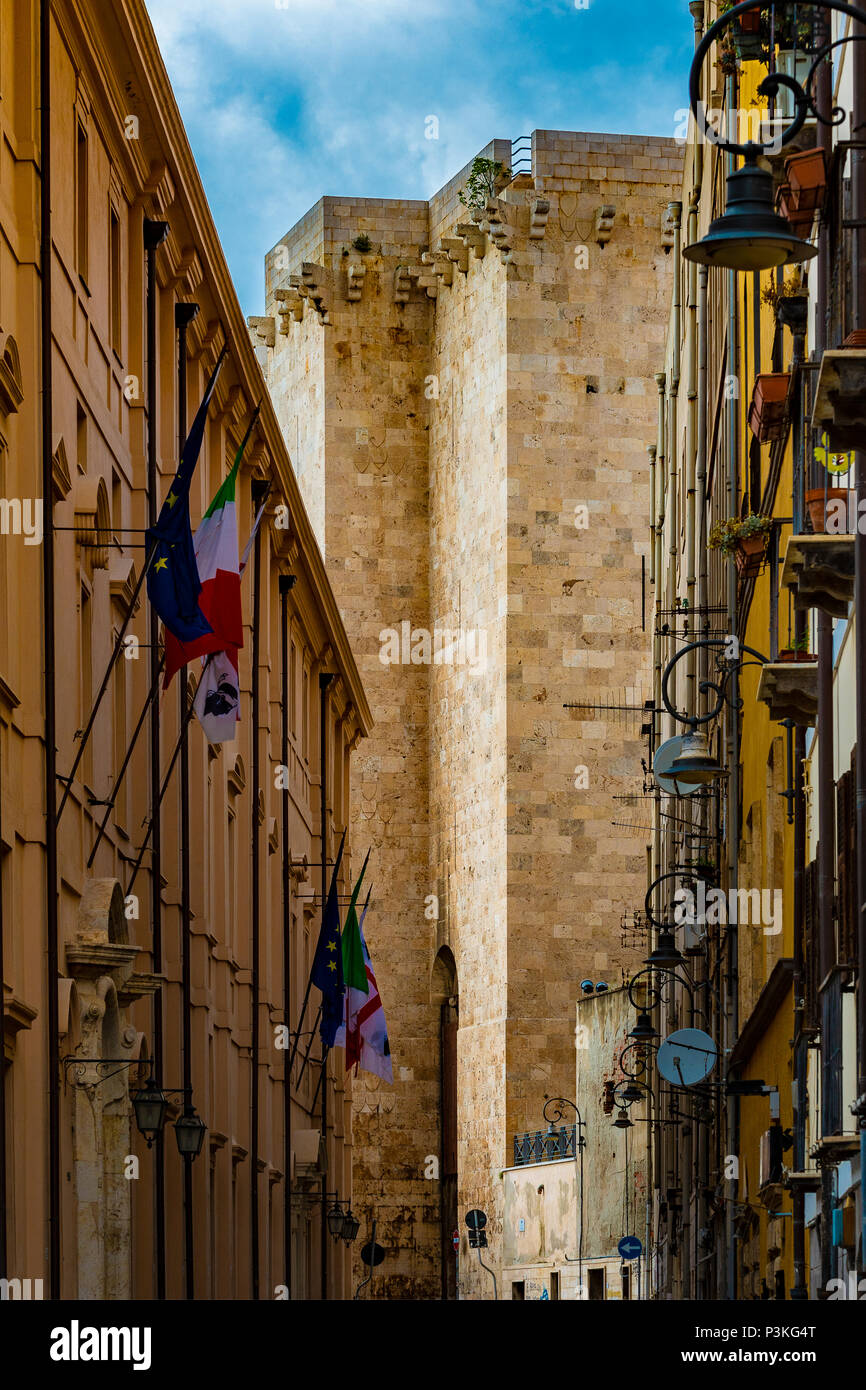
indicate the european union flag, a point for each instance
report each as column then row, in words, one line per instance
column 327, row 971
column 173, row 585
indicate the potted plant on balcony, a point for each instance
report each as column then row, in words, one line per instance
column 743, row 538
column 817, row 500
column 746, row 32
column 798, row 651
column 768, row 409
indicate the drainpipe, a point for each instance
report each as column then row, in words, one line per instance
column 733, row 740
column 154, row 234
column 675, row 210
column 826, row 733
column 325, row 678
column 51, row 922
column 286, row 584
column 260, row 489
column 858, row 182
column 183, row 316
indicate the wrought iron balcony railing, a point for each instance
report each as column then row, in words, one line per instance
column 543, row 1146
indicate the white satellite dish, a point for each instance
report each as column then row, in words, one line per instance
column 687, row 1057
column 662, row 763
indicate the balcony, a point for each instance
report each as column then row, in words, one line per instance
column 840, row 398
column 544, row 1146
column 790, row 689
column 819, row 571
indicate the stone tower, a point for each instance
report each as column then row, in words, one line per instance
column 467, row 395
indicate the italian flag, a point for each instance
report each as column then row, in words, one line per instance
column 216, row 553
column 364, row 1034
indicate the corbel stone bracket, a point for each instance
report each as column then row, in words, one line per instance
column 293, row 307
column 539, row 211
column 474, row 237
column 441, row 264
column 457, row 251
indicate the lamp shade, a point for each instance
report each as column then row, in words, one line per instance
column 750, row 235
column 643, row 1030
column 351, row 1226
column 150, row 1106
column 696, row 765
column 189, row 1131
column 632, row 1093
column 336, row 1217
column 666, row 952
column 622, row 1121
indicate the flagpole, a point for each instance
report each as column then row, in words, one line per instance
column 286, row 584
column 184, row 313
column 118, row 647
column 154, row 234
column 164, row 788
column 154, row 687
column 325, row 679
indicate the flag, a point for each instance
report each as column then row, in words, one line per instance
column 173, row 585
column 354, row 973
column 216, row 554
column 327, row 971
column 365, row 1032
column 217, row 696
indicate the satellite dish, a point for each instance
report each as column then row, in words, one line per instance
column 687, row 1057
column 662, row 763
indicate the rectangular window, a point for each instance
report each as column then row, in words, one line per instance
column 554, row 1286
column 81, row 202
column 518, row 1290
column 81, row 439
column 596, row 1285
column 626, row 1282
column 293, row 691
column 114, row 306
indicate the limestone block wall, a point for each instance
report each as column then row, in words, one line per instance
column 584, row 324
column 482, row 390
column 358, row 362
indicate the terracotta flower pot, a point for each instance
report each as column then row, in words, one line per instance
column 790, row 654
column 816, row 504
column 807, row 176
column 800, row 220
column 749, row 555
column 767, row 411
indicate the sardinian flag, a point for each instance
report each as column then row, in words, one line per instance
column 217, row 698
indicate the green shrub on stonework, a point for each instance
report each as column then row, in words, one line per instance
column 481, row 183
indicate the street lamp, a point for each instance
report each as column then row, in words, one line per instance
column 351, row 1227
column 150, row 1104
column 189, row 1131
column 750, row 234
column 336, row 1218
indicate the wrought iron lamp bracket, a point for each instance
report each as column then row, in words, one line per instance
column 804, row 96
column 724, row 664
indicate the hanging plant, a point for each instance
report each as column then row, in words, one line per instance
column 727, row 535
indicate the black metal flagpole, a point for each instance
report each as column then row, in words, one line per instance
column 183, row 316
column 118, row 647
column 112, row 800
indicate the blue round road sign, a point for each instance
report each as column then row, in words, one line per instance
column 629, row 1247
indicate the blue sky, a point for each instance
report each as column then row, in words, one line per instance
column 286, row 100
